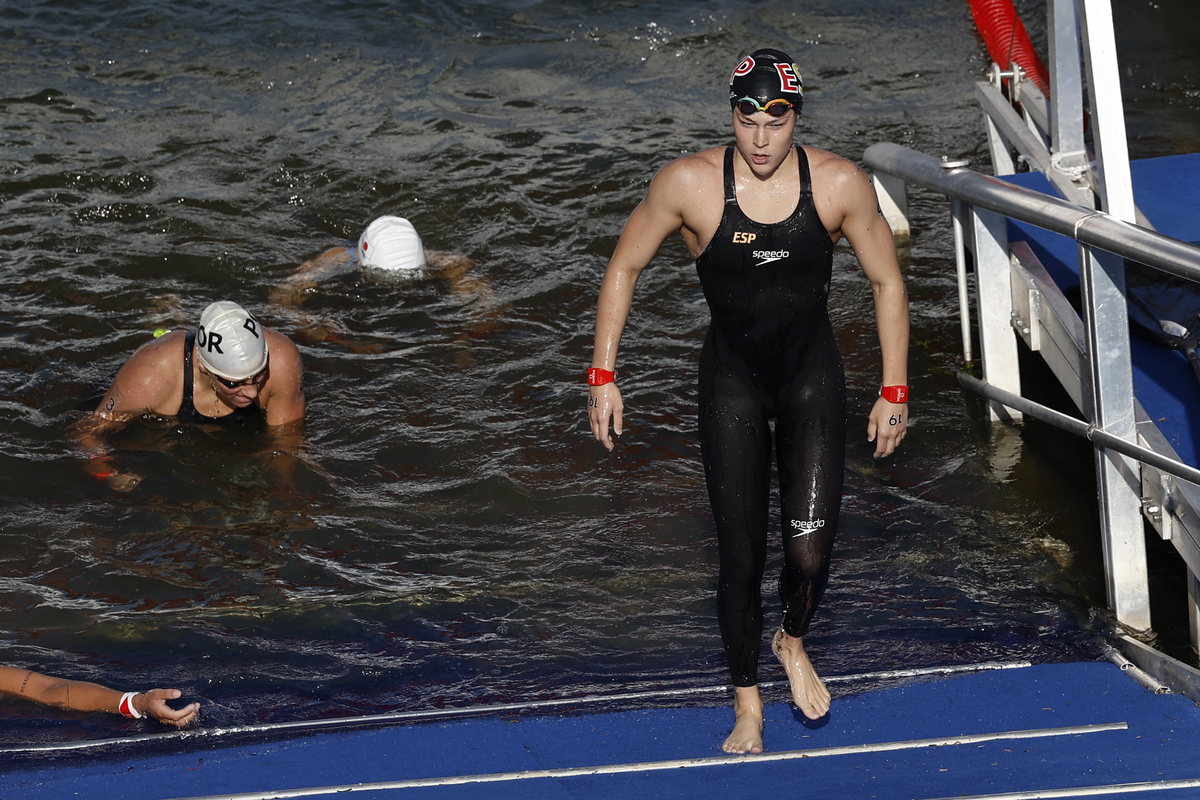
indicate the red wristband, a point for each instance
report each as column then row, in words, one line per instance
column 599, row 377
column 894, row 394
column 105, row 473
column 126, row 706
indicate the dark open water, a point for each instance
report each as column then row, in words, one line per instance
column 448, row 533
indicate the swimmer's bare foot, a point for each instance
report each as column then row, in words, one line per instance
column 808, row 691
column 748, row 722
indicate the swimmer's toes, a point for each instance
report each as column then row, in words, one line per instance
column 816, row 705
column 739, row 748
column 813, row 712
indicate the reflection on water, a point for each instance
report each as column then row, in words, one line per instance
column 449, row 533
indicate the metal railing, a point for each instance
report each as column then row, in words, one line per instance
column 982, row 205
column 1089, row 227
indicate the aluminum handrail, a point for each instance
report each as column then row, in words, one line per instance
column 1089, row 227
column 1078, row 427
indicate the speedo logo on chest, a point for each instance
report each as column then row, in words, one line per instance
column 763, row 256
column 767, row 256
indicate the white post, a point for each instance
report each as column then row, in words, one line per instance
column 893, row 202
column 1068, row 152
column 1108, row 111
column 960, row 265
column 997, row 340
column 1118, row 479
column 1106, row 322
column 1002, row 160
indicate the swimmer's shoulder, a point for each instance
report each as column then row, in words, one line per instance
column 280, row 343
column 702, row 165
column 161, row 351
column 151, row 380
column 282, row 397
column 445, row 260
column 823, row 164
column 838, row 180
column 695, row 175
column 286, row 364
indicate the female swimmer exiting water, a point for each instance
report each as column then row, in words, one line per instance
column 762, row 218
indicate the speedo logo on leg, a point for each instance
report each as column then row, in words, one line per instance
column 768, row 256
column 806, row 527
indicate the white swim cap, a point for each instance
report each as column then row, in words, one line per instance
column 391, row 243
column 230, row 342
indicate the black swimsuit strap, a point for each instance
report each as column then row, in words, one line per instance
column 805, row 175
column 187, row 405
column 187, row 408
column 801, row 166
column 730, row 188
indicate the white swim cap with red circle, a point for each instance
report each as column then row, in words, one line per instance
column 391, row 243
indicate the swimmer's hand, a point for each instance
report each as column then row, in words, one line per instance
column 122, row 481
column 156, row 706
column 604, row 402
column 100, row 467
column 886, row 427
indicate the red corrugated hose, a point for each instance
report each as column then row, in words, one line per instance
column 1006, row 40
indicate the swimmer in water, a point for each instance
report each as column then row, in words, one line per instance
column 87, row 697
column 762, row 218
column 231, row 368
column 389, row 247
column 389, row 244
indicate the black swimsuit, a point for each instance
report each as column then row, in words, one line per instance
column 187, row 409
column 770, row 353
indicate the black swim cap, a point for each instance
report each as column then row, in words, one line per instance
column 767, row 75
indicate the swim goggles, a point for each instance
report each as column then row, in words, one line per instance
column 776, row 108
column 255, row 378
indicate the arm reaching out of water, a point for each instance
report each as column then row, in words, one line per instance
column 333, row 262
column 87, row 697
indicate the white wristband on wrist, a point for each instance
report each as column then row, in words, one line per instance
column 126, row 706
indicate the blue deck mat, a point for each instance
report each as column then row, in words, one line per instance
column 1164, row 189
column 1159, row 744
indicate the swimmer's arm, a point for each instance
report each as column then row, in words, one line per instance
column 87, row 697
column 148, row 383
column 869, row 234
column 655, row 218
column 457, row 269
column 333, row 262
column 644, row 233
column 446, row 261
column 285, row 389
column 151, row 381
column 89, row 437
